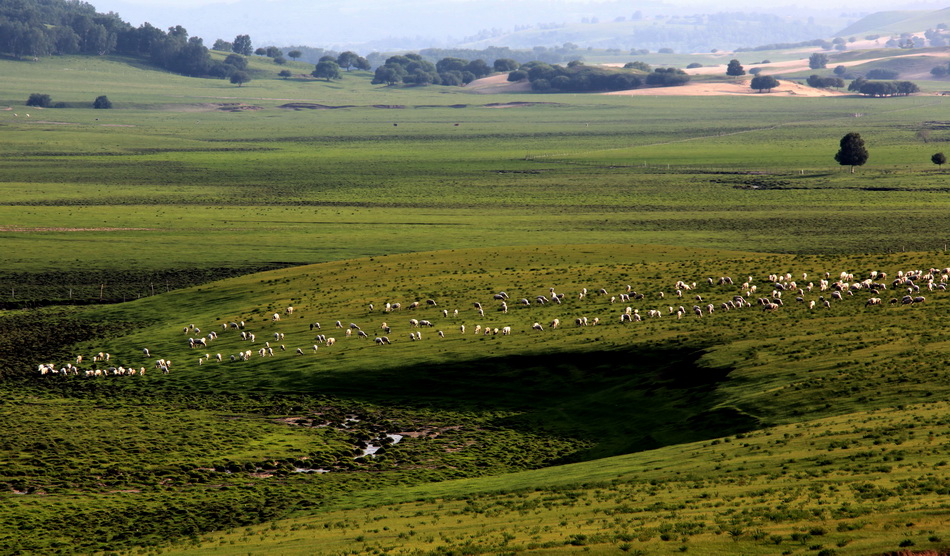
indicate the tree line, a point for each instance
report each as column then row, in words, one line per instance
column 29, row 28
column 576, row 77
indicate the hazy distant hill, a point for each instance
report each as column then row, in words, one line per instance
column 898, row 22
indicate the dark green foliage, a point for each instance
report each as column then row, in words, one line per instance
column 236, row 61
column 294, row 54
column 327, row 69
column 576, row 78
column 939, row 159
column 639, row 66
column 734, row 69
column 667, row 77
column 505, row 65
column 39, row 99
column 825, row 82
column 348, row 60
column 284, row 73
column 239, row 78
column 242, row 45
column 102, row 102
column 852, row 152
column 817, row 60
column 885, row 88
column 764, row 83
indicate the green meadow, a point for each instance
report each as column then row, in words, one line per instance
column 196, row 207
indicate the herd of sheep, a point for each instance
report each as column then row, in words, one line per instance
column 692, row 299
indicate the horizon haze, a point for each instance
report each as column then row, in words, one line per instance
column 375, row 25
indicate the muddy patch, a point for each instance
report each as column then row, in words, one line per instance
column 311, row 106
column 237, row 107
column 518, row 104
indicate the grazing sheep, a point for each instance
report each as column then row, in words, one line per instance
column 289, row 310
column 146, row 352
column 506, row 331
column 555, row 323
column 537, row 326
column 462, row 328
column 441, row 334
column 299, row 351
column 275, row 316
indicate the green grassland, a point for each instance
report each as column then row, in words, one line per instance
column 195, row 202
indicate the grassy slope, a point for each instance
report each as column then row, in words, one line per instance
column 293, row 193
column 895, row 22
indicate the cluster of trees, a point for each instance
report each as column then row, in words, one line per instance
column 413, row 69
column 59, row 27
column 328, row 67
column 42, row 100
column 577, row 77
column 883, row 88
column 940, row 71
column 764, row 83
column 820, row 82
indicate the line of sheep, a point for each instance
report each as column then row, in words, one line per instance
column 826, row 291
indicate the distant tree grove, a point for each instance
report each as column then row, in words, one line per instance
column 577, row 77
column 37, row 28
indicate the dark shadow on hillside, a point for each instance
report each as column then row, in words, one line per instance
column 621, row 401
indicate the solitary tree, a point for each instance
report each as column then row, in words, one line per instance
column 817, row 60
column 102, row 102
column 239, row 78
column 39, row 99
column 939, row 159
column 284, row 73
column 294, row 54
column 764, row 83
column 852, row 152
column 734, row 69
column 242, row 45
column 327, row 69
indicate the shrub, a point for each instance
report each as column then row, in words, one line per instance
column 41, row 100
column 102, row 102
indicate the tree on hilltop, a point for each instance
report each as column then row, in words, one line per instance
column 242, row 45
column 852, row 152
column 294, row 54
column 347, row 60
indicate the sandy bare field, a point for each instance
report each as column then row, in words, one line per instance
column 741, row 87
